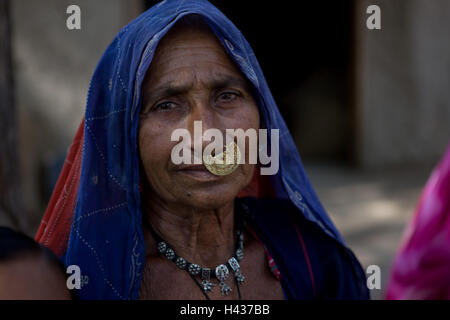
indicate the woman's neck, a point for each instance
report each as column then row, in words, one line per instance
column 204, row 237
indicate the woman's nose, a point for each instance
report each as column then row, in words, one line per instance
column 201, row 118
column 201, row 110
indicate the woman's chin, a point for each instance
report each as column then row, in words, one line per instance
column 209, row 199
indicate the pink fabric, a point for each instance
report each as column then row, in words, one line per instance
column 305, row 252
column 422, row 267
column 270, row 261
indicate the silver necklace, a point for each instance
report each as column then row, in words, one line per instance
column 220, row 272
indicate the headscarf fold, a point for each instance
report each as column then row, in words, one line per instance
column 97, row 196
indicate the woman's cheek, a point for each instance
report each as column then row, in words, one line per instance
column 147, row 148
column 155, row 148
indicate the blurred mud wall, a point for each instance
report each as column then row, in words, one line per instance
column 52, row 68
column 402, row 83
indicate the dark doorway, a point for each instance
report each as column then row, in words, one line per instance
column 304, row 49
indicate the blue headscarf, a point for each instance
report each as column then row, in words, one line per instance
column 106, row 239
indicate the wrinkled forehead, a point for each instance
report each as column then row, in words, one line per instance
column 188, row 43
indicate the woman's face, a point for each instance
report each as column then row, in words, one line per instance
column 191, row 78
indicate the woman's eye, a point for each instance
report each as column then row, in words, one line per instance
column 164, row 106
column 228, row 96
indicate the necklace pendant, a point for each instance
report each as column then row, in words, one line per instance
column 234, row 264
column 206, row 280
column 225, row 288
column 222, row 272
column 207, row 285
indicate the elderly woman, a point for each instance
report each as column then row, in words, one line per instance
column 140, row 225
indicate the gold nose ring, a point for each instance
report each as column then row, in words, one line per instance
column 224, row 163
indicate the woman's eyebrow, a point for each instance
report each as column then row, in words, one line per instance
column 228, row 81
column 170, row 89
column 165, row 90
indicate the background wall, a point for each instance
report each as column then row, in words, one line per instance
column 402, row 73
column 52, row 69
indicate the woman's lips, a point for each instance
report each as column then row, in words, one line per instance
column 198, row 172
